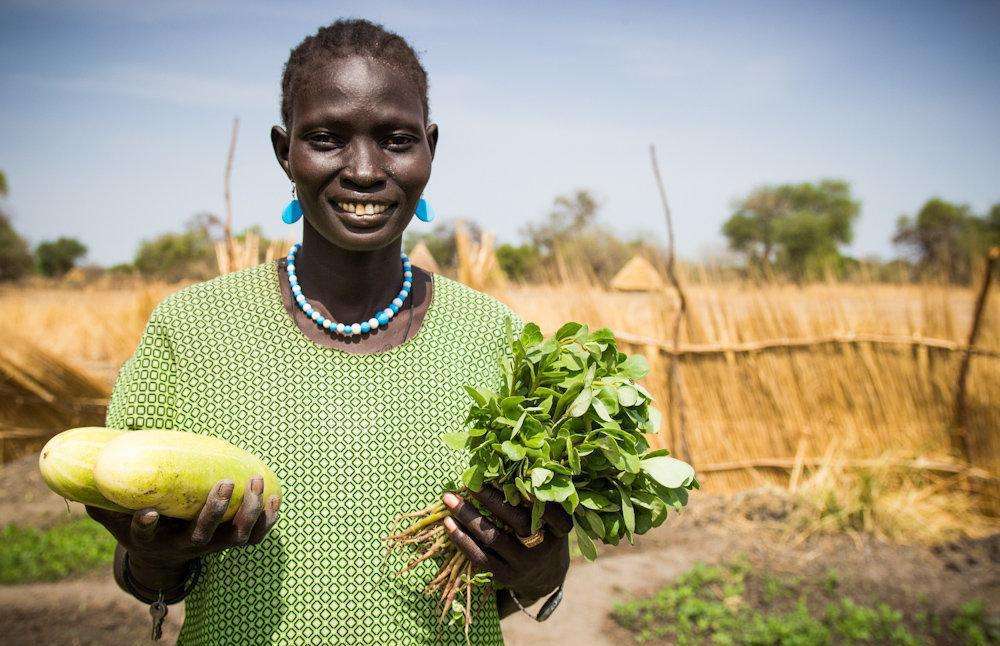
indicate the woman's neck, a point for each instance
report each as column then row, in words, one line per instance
column 352, row 285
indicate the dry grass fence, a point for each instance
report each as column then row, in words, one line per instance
column 779, row 381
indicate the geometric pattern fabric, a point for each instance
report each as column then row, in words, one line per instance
column 353, row 438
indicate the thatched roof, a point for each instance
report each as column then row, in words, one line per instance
column 421, row 257
column 41, row 395
column 638, row 275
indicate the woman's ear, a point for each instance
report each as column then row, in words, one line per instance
column 280, row 142
column 432, row 138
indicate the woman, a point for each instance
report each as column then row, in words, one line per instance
column 348, row 416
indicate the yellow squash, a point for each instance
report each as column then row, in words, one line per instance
column 174, row 471
column 67, row 464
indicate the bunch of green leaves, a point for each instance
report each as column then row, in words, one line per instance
column 568, row 426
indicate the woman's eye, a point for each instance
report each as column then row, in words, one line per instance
column 323, row 139
column 399, row 142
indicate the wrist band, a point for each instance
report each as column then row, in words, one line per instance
column 158, row 608
column 547, row 608
column 143, row 593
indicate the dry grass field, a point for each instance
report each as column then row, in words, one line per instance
column 781, row 384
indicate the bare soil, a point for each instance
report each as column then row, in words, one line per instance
column 759, row 525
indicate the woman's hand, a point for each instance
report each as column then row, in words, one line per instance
column 531, row 572
column 160, row 547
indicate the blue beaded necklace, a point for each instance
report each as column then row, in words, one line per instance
column 349, row 329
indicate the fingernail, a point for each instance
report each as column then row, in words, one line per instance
column 226, row 489
column 451, row 500
column 257, row 485
column 449, row 523
column 148, row 518
column 275, row 503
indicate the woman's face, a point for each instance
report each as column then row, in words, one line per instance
column 358, row 152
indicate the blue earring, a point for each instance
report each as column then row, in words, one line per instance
column 424, row 211
column 293, row 211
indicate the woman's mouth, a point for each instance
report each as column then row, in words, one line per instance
column 364, row 215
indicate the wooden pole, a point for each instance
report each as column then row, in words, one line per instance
column 674, row 387
column 228, row 226
column 960, row 441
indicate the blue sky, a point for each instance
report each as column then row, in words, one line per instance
column 116, row 115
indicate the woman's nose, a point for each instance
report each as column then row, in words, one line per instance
column 364, row 168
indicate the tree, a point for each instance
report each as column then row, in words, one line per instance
column 798, row 228
column 173, row 256
column 518, row 261
column 570, row 215
column 15, row 255
column 946, row 239
column 56, row 258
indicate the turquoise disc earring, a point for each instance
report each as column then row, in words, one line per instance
column 424, row 211
column 293, row 210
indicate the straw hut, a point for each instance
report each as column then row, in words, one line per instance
column 421, row 256
column 41, row 395
column 638, row 275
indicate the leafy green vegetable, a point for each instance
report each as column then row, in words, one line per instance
column 569, row 426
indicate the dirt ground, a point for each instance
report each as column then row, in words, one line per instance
column 758, row 524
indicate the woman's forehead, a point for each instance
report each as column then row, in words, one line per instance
column 348, row 85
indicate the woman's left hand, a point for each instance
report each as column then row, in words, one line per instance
column 531, row 572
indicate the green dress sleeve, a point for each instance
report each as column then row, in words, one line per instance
column 144, row 396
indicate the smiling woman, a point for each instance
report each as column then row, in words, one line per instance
column 347, row 416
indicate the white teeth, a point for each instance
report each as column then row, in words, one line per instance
column 363, row 208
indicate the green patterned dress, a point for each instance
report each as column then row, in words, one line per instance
column 354, row 439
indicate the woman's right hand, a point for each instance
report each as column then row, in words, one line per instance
column 166, row 544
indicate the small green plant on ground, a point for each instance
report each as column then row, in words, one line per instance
column 28, row 554
column 734, row 603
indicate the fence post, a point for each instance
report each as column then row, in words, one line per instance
column 959, row 432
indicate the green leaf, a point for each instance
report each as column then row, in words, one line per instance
column 628, row 395
column 567, row 330
column 594, row 519
column 581, row 403
column 512, row 495
column 473, row 477
column 537, row 509
column 556, row 490
column 600, row 409
column 669, row 472
column 594, row 500
column 654, row 421
column 530, row 335
column 584, row 542
column 455, row 441
column 628, row 512
column 479, row 397
column 572, row 456
column 539, row 476
column 513, row 451
column 635, row 367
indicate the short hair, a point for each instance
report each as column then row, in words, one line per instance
column 345, row 38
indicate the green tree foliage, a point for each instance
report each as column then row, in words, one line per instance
column 15, row 255
column 517, row 261
column 570, row 216
column 174, row 256
column 947, row 239
column 796, row 228
column 571, row 235
column 57, row 257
